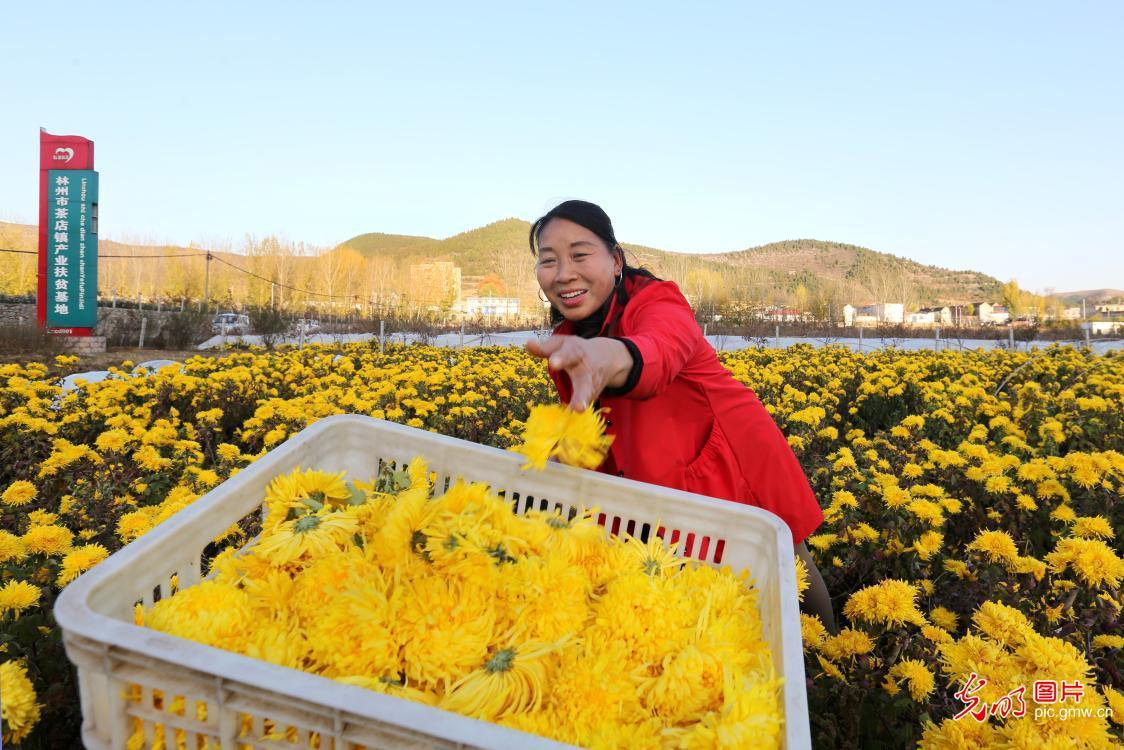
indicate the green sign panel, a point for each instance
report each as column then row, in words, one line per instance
column 72, row 248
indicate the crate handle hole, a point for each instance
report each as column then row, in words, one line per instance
column 689, row 544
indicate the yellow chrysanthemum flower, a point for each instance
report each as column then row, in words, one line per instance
column 42, row 517
column 549, row 598
column 1108, row 641
column 750, row 716
column 1094, row 561
column 308, row 536
column 575, row 438
column 64, row 454
column 1005, row 625
column 328, row 489
column 18, row 706
column 1115, row 701
column 928, row 544
column 228, row 452
column 16, row 596
column 812, row 631
column 656, row 557
column 513, row 679
column 916, row 675
column 278, row 641
column 802, row 580
column 848, row 643
column 944, row 618
column 19, row 494
column 996, row 546
column 47, row 540
column 937, row 635
column 134, row 525
column 112, row 441
column 890, row 602
column 830, row 669
column 576, row 539
column 78, row 560
column 212, row 613
column 1093, row 527
column 148, row 458
column 959, row 568
column 437, row 651
column 11, row 547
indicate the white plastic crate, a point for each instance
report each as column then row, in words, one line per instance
column 111, row 653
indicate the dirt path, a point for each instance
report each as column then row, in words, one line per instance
column 115, row 356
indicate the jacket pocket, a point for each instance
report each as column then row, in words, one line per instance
column 714, row 472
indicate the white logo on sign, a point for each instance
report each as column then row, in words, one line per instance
column 64, row 154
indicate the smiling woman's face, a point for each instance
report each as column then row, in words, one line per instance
column 575, row 269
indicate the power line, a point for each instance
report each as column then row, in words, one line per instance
column 283, row 286
column 101, row 255
column 181, row 255
column 209, row 257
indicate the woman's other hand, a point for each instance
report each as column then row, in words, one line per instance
column 592, row 364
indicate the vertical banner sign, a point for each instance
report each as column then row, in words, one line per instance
column 72, row 244
column 67, row 301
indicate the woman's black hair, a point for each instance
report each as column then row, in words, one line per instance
column 592, row 217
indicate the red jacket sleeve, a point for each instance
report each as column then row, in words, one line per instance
column 561, row 384
column 665, row 333
column 776, row 478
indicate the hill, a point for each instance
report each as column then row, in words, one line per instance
column 1091, row 296
column 812, row 274
column 834, row 271
column 881, row 275
column 378, row 243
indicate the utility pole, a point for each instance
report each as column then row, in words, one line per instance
column 207, row 284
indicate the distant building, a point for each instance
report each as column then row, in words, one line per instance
column 783, row 314
column 491, row 307
column 872, row 315
column 1103, row 327
column 992, row 315
column 889, row 312
column 930, row 316
column 1105, row 308
column 1071, row 313
column 943, row 314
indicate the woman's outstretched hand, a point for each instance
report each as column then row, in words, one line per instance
column 592, row 364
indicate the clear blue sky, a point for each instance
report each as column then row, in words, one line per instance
column 987, row 136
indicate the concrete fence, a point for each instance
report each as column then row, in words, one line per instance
column 120, row 326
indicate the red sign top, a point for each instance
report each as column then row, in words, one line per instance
column 65, row 151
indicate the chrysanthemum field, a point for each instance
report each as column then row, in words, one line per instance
column 973, row 501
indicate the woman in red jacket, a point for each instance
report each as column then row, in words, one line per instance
column 629, row 342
